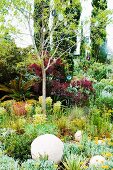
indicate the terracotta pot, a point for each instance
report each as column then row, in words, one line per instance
column 19, row 108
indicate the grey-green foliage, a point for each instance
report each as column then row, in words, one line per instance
column 109, row 88
column 99, row 86
column 75, row 154
column 91, row 148
column 106, row 165
column 70, row 149
column 38, row 165
column 4, row 132
column 104, row 86
column 8, row 163
column 104, row 93
column 87, row 148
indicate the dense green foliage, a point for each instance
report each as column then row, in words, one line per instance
column 98, row 30
column 10, row 57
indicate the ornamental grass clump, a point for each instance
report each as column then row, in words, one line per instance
column 72, row 163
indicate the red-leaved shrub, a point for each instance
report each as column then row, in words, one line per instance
column 56, row 71
column 76, row 93
column 70, row 93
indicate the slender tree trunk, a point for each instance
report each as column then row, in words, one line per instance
column 44, row 89
column 51, row 22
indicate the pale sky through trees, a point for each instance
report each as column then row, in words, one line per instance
column 24, row 39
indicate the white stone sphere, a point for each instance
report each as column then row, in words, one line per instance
column 95, row 160
column 47, row 145
column 78, row 136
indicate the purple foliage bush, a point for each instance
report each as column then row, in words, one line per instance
column 76, row 92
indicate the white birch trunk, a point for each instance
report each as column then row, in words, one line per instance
column 51, row 20
column 43, row 89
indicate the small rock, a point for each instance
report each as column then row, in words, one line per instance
column 47, row 145
column 95, row 160
column 78, row 136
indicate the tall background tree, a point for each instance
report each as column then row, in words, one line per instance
column 66, row 15
column 66, row 33
column 98, row 29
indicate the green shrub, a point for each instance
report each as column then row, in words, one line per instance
column 18, row 145
column 105, row 102
column 98, row 71
column 99, row 122
column 99, row 86
column 10, row 57
column 84, row 65
column 41, row 129
column 103, row 86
